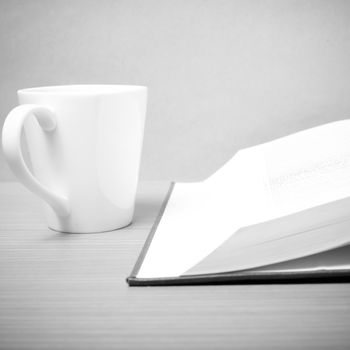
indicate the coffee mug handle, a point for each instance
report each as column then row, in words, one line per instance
column 11, row 143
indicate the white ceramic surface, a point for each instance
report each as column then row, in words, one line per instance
column 85, row 144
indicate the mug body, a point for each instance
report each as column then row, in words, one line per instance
column 93, row 155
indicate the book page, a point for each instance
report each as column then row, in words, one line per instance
column 258, row 184
column 200, row 216
column 309, row 168
column 335, row 259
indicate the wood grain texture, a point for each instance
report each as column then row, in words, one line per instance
column 68, row 291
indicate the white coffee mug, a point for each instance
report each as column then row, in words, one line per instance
column 84, row 143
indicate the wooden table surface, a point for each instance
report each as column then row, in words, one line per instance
column 68, row 291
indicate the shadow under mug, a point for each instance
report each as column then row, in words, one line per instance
column 84, row 144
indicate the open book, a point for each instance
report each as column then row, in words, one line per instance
column 276, row 211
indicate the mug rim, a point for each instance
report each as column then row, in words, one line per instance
column 83, row 89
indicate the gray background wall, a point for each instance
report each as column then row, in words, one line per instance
column 221, row 74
